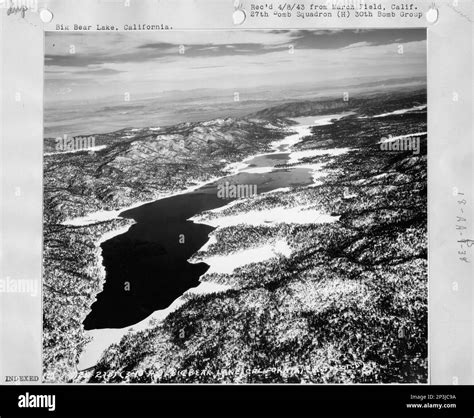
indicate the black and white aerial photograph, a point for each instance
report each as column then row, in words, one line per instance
column 235, row 206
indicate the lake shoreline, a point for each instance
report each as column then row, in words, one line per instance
column 102, row 338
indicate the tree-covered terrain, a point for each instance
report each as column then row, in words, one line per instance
column 349, row 304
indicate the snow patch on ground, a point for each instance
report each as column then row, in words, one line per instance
column 396, row 112
column 320, row 120
column 257, row 170
column 394, row 138
column 91, row 149
column 401, row 111
column 229, row 262
column 276, row 215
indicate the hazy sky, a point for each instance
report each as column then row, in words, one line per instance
column 147, row 63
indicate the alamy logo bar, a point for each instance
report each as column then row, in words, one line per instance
column 37, row 401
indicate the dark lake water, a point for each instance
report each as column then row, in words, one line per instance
column 147, row 267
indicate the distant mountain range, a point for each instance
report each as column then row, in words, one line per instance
column 173, row 107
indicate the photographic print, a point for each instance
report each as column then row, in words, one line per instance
column 235, row 207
